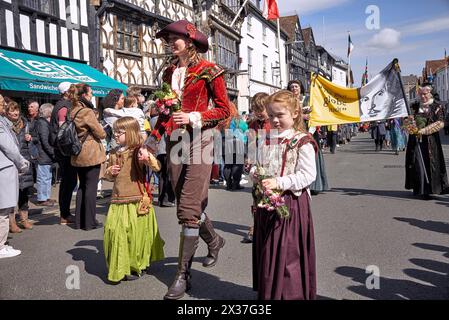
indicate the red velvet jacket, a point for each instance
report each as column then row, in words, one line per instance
column 202, row 82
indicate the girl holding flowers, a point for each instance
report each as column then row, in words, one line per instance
column 283, row 243
column 131, row 236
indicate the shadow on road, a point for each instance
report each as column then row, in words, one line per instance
column 204, row 285
column 437, row 226
column 400, row 194
column 395, row 289
column 433, row 247
column 93, row 258
column 237, row 229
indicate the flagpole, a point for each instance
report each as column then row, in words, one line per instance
column 420, row 157
column 279, row 51
column 238, row 13
column 349, row 61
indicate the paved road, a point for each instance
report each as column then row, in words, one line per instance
column 367, row 219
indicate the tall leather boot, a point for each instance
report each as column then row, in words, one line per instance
column 213, row 240
column 181, row 284
column 13, row 228
column 24, row 223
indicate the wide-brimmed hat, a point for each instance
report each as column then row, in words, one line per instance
column 187, row 29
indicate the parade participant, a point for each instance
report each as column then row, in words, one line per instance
column 88, row 161
column 131, row 236
column 428, row 140
column 196, row 82
column 259, row 122
column 320, row 184
column 283, row 247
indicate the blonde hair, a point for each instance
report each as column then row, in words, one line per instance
column 2, row 104
column 130, row 101
column 259, row 102
column 129, row 125
column 290, row 102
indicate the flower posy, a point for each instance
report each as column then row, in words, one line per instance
column 413, row 124
column 166, row 100
column 271, row 200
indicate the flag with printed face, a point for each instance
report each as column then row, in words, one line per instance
column 382, row 98
column 270, row 10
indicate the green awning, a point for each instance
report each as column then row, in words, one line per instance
column 28, row 72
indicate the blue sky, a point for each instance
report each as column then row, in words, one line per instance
column 412, row 31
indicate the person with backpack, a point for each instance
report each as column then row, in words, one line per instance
column 69, row 177
column 90, row 157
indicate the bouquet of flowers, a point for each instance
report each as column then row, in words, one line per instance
column 167, row 100
column 271, row 200
column 413, row 124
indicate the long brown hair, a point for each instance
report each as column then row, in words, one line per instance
column 289, row 101
column 76, row 91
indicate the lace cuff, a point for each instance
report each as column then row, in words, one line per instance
column 195, row 120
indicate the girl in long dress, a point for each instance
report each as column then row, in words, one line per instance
column 283, row 247
column 131, row 236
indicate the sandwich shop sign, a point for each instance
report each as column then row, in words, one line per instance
column 27, row 72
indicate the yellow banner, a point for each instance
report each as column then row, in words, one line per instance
column 332, row 104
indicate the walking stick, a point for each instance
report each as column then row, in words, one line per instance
column 420, row 157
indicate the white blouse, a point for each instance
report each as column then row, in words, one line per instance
column 300, row 167
column 177, row 85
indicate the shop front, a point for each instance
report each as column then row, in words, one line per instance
column 34, row 76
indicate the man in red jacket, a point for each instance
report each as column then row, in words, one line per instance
column 198, row 84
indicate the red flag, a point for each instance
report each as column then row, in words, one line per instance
column 270, row 10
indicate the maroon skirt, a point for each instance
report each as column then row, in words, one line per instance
column 284, row 252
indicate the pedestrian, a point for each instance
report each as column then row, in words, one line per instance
column 258, row 126
column 196, row 82
column 131, row 236
column 331, row 138
column 113, row 105
column 166, row 196
column 46, row 156
column 88, row 161
column 320, row 184
column 283, row 247
column 378, row 132
column 397, row 136
column 11, row 164
column 132, row 110
column 20, row 127
column 68, row 173
column 235, row 141
column 425, row 168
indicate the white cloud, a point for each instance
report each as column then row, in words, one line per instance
column 386, row 39
column 427, row 27
column 303, row 7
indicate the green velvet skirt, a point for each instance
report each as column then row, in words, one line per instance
column 131, row 241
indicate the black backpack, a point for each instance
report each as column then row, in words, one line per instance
column 67, row 140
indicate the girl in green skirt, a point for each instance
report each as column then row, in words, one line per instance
column 131, row 235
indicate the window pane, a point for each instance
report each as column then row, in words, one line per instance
column 119, row 40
